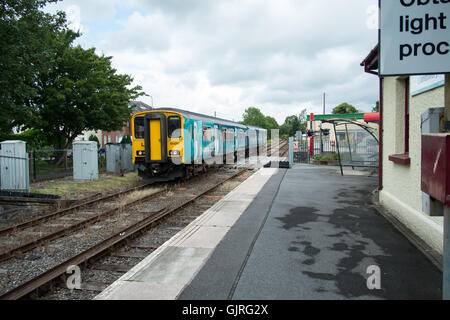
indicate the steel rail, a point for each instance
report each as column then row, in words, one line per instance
column 44, row 278
column 63, row 212
column 60, row 233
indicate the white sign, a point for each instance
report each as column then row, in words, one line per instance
column 414, row 37
column 420, row 84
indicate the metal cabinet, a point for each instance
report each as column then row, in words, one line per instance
column 85, row 160
column 14, row 166
column 119, row 158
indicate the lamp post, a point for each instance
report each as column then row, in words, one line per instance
column 151, row 98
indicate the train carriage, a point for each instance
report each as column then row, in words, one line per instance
column 170, row 143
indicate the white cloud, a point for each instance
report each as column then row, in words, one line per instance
column 227, row 55
column 74, row 18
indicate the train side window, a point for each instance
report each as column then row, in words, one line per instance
column 139, row 127
column 174, row 127
column 207, row 134
column 230, row 134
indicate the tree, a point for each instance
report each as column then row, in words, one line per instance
column 377, row 107
column 80, row 92
column 94, row 138
column 24, row 31
column 271, row 124
column 302, row 121
column 290, row 126
column 254, row 117
column 344, row 108
column 126, row 139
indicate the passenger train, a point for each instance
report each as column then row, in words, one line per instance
column 171, row 143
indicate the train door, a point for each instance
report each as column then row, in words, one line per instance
column 197, row 142
column 217, row 143
column 155, row 137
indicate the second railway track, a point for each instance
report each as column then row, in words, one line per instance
column 48, row 263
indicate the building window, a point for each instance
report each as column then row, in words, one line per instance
column 207, row 134
column 402, row 136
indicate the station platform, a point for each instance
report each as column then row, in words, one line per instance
column 300, row 233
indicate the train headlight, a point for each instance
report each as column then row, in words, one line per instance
column 174, row 152
column 140, row 153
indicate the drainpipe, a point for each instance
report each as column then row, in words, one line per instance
column 380, row 144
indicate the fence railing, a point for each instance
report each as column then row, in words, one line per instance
column 53, row 164
column 361, row 151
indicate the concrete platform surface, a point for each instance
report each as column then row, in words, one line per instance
column 299, row 233
column 165, row 272
column 312, row 234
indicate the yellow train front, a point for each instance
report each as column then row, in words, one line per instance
column 172, row 143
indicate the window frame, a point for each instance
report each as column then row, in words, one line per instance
column 136, row 126
column 169, row 134
column 404, row 158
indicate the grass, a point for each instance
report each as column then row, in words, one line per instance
column 69, row 189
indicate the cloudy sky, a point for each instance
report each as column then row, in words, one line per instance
column 226, row 55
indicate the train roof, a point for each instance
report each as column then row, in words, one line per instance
column 198, row 116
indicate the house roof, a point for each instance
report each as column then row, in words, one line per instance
column 372, row 59
column 139, row 106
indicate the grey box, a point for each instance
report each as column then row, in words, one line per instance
column 14, row 166
column 119, row 158
column 431, row 120
column 85, row 160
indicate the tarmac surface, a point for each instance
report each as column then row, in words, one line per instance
column 312, row 234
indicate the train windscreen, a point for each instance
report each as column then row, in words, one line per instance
column 174, row 127
column 139, row 127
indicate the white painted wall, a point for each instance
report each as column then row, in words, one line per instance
column 401, row 192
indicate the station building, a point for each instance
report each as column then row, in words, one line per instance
column 319, row 123
column 409, row 107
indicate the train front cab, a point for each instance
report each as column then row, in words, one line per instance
column 158, row 144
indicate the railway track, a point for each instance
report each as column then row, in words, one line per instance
column 31, row 234
column 121, row 242
column 282, row 147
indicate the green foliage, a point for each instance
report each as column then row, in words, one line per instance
column 126, row 139
column 24, row 32
column 35, row 139
column 377, row 107
column 94, row 138
column 254, row 117
column 294, row 123
column 344, row 108
column 81, row 92
column 302, row 120
column 49, row 85
column 327, row 157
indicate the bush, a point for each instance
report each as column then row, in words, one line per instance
column 327, row 157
